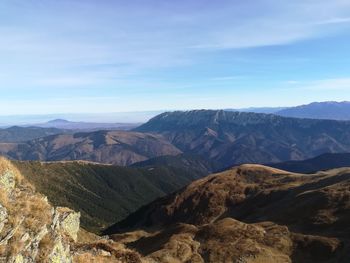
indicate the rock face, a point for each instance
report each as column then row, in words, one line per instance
column 31, row 230
column 7, row 181
column 28, row 233
column 68, row 221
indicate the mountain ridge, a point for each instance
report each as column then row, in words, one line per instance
column 319, row 110
column 231, row 138
column 113, row 147
column 15, row 134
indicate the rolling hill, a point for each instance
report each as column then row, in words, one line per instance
column 102, row 193
column 250, row 213
column 230, row 138
column 22, row 134
column 112, row 147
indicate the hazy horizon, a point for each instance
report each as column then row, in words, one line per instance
column 75, row 56
column 121, row 117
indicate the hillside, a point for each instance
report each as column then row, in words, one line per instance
column 230, row 138
column 32, row 230
column 190, row 163
column 323, row 162
column 250, row 213
column 22, row 134
column 221, row 138
column 104, row 194
column 112, row 147
column 319, row 110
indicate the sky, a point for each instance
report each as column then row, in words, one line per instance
column 99, row 56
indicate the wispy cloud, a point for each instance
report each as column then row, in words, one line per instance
column 119, row 47
column 337, row 20
column 342, row 84
column 332, row 84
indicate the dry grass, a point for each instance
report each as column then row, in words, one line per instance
column 86, row 237
column 118, row 252
column 27, row 211
column 45, row 248
column 4, row 199
column 90, row 258
column 35, row 210
column 6, row 165
column 3, row 249
column 15, row 245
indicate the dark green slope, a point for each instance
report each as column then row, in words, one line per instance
column 103, row 194
column 188, row 163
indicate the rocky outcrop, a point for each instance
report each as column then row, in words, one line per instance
column 26, row 222
column 68, row 221
column 7, row 181
column 31, row 230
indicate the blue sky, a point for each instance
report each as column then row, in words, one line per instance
column 120, row 56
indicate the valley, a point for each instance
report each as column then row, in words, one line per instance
column 103, row 193
column 174, row 131
column 187, row 186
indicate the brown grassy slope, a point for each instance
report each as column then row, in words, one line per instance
column 251, row 212
column 112, row 147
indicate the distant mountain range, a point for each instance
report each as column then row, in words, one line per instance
column 319, row 110
column 106, row 117
column 22, row 134
column 323, row 162
column 266, row 110
column 331, row 110
column 223, row 138
column 86, row 126
column 111, row 147
column 232, row 138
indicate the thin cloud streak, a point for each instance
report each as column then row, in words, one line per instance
column 132, row 48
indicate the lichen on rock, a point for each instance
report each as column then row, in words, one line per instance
column 7, row 180
column 60, row 252
column 69, row 221
column 3, row 217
